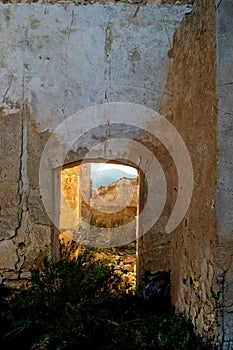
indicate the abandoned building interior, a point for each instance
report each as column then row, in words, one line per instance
column 141, row 84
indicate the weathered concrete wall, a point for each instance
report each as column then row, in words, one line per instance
column 193, row 111
column 225, row 173
column 58, row 59
column 75, row 197
column 70, row 200
column 54, row 61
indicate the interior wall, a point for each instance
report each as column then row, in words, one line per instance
column 55, row 60
column 225, row 173
column 192, row 108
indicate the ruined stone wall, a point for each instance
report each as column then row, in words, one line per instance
column 75, row 198
column 225, row 173
column 70, row 200
column 192, row 109
column 58, row 59
column 91, row 2
column 123, row 191
column 54, row 61
column 121, row 200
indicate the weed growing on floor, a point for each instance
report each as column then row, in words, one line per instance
column 80, row 302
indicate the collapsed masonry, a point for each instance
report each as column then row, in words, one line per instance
column 58, row 59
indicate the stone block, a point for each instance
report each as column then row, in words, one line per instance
column 8, row 256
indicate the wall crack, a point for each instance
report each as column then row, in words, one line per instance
column 107, row 52
column 69, row 31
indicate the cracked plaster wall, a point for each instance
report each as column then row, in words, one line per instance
column 56, row 60
column 192, row 108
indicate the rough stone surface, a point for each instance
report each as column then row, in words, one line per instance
column 57, row 59
column 10, row 156
column 8, row 256
column 91, row 2
column 225, row 173
column 193, row 111
column 54, row 61
column 120, row 193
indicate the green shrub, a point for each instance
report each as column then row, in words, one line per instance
column 82, row 303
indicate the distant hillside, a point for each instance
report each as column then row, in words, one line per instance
column 106, row 177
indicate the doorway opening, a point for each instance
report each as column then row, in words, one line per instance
column 99, row 207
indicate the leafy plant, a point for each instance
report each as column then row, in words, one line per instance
column 80, row 302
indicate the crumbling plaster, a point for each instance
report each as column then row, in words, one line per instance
column 57, row 59
column 192, row 108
